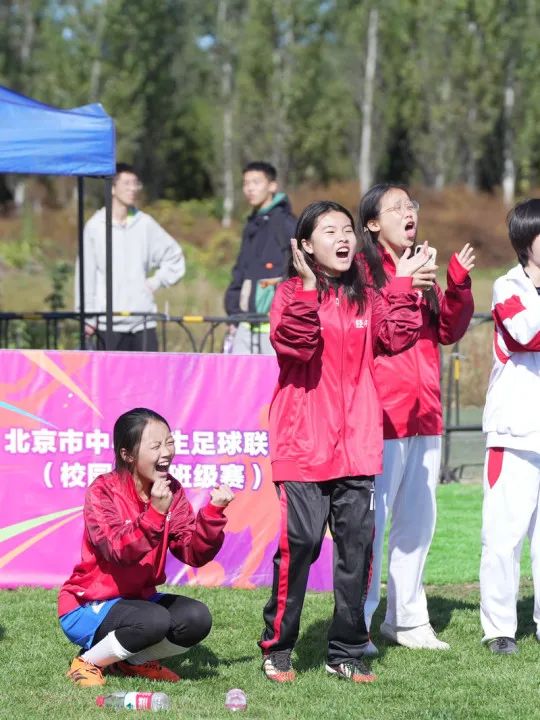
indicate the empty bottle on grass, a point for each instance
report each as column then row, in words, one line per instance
column 134, row 701
column 235, row 699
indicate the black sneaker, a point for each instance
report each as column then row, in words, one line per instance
column 353, row 670
column 277, row 666
column 503, row 646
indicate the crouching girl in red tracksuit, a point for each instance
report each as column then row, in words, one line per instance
column 326, row 429
column 409, row 387
column 132, row 516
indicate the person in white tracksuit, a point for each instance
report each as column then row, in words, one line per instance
column 512, row 426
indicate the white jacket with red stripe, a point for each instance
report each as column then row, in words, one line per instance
column 512, row 410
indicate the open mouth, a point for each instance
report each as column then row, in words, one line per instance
column 163, row 467
column 342, row 253
column 410, row 230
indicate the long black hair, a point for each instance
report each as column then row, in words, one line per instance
column 370, row 207
column 353, row 281
column 127, row 433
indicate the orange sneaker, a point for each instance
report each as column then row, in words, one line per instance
column 85, row 674
column 151, row 670
column 277, row 666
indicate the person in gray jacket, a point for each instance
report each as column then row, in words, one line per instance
column 145, row 257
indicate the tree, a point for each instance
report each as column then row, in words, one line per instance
column 365, row 170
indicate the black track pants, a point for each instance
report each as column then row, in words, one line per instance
column 347, row 506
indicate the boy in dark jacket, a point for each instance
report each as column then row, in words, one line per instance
column 262, row 257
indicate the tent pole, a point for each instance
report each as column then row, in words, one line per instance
column 82, row 320
column 108, row 263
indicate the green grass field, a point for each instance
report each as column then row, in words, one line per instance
column 467, row 682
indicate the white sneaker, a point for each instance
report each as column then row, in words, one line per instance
column 422, row 637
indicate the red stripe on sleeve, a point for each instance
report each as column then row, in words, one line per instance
column 499, row 352
column 533, row 345
column 509, row 308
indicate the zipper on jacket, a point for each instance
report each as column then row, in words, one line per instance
column 164, row 545
column 341, row 383
column 418, row 391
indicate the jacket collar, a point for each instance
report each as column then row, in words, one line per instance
column 389, row 265
column 518, row 274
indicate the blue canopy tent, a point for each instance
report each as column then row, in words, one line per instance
column 39, row 139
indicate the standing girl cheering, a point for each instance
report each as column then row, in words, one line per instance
column 409, row 387
column 326, row 428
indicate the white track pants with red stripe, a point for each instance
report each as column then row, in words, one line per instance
column 509, row 514
column 406, row 489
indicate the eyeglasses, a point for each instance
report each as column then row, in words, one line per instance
column 403, row 206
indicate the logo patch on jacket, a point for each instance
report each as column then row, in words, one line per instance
column 360, row 323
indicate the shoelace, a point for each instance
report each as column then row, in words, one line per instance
column 281, row 660
column 87, row 668
column 501, row 643
column 355, row 666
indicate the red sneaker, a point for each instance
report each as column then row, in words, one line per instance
column 151, row 670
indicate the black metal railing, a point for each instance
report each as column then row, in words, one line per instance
column 60, row 330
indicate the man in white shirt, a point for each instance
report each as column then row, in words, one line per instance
column 145, row 257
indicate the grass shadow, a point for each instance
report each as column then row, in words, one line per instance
column 311, row 646
column 200, row 662
column 441, row 608
column 526, row 624
column 312, row 643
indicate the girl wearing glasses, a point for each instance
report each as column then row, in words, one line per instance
column 409, row 387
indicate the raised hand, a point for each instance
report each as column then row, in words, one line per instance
column 161, row 496
column 221, row 496
column 408, row 263
column 302, row 268
column 466, row 257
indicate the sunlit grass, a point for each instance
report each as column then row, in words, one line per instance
column 466, row 682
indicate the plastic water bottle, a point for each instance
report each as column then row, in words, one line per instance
column 134, row 701
column 235, row 699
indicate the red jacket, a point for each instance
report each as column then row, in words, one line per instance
column 125, row 542
column 409, row 384
column 326, row 416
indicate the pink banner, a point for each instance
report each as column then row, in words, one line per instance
column 57, row 411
